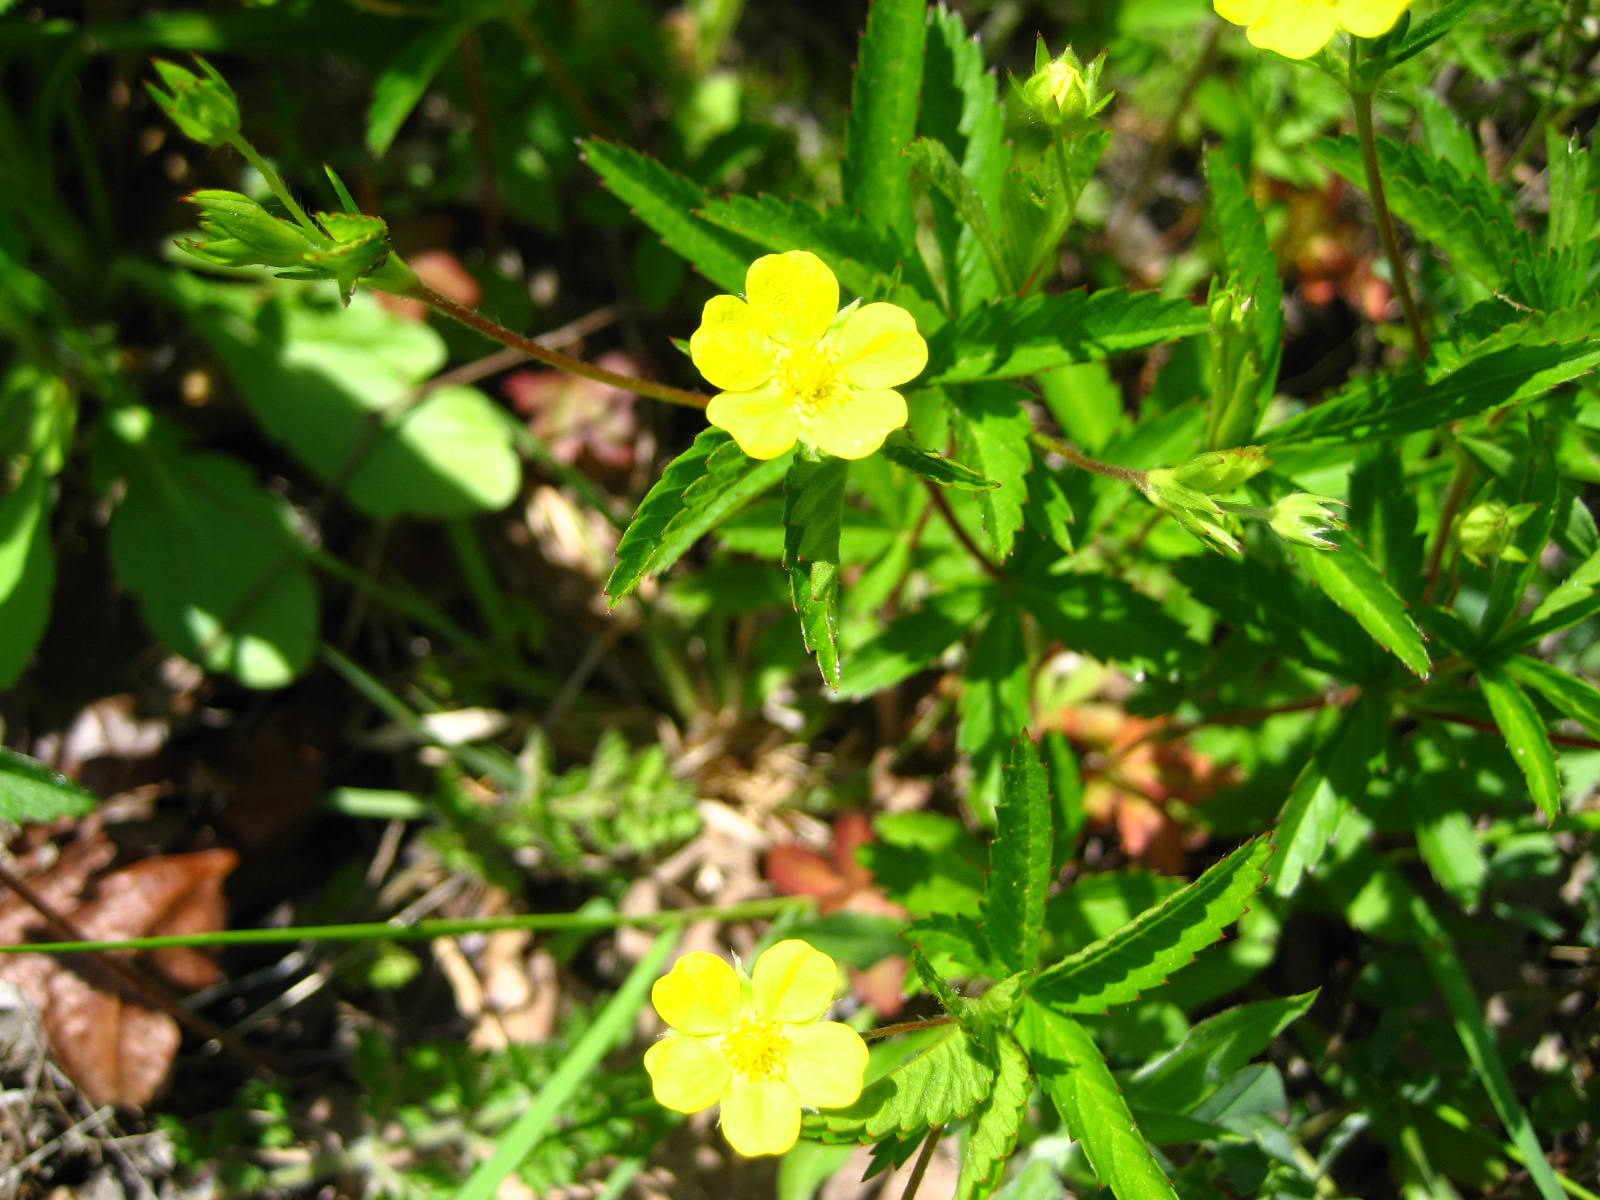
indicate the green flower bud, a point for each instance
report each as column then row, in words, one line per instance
column 203, row 107
column 1062, row 92
column 241, row 233
column 1489, row 530
column 1194, row 510
column 361, row 246
column 1303, row 519
column 1221, row 471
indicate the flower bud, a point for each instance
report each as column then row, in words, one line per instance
column 1303, row 519
column 1221, row 471
column 1194, row 510
column 1489, row 530
column 361, row 245
column 1062, row 92
column 203, row 107
column 241, row 233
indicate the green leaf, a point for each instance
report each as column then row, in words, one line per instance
column 705, row 483
column 883, row 114
column 31, row 791
column 1383, row 512
column 934, row 162
column 1466, row 1014
column 1211, row 1052
column 214, row 561
column 1386, row 406
column 1019, row 860
column 956, row 937
column 994, row 1130
column 867, row 258
column 1159, row 941
column 908, row 456
column 1525, row 736
column 1449, row 844
column 667, row 202
column 1466, row 217
column 992, row 428
column 1106, row 618
column 993, row 703
column 961, row 109
column 1425, row 33
column 913, row 640
column 1014, row 337
column 1569, row 695
column 404, row 80
column 1074, row 1075
column 1354, row 583
column 1575, row 599
column 27, row 571
column 813, row 510
column 1334, row 777
column 944, row 1083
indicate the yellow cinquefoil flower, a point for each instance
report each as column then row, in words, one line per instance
column 1299, row 28
column 791, row 366
column 754, row 1044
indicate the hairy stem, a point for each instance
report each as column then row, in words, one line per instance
column 280, row 189
column 1083, row 462
column 1386, row 232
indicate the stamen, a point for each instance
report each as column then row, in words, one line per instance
column 756, row 1049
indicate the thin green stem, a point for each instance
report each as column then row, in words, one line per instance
column 923, row 1159
column 1083, row 462
column 942, row 506
column 422, row 931
column 1386, row 232
column 473, row 319
column 279, row 189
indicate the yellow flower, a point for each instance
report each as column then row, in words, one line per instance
column 1299, row 28
column 754, row 1044
column 790, row 366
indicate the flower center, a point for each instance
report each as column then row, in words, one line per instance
column 756, row 1049
column 806, row 374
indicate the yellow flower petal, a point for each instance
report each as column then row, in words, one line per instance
column 1368, row 18
column 879, row 347
column 763, row 423
column 1294, row 28
column 730, row 348
column 687, row 1074
column 794, row 296
column 855, row 423
column 760, row 1116
column 793, row 981
column 1241, row 12
column 700, row 996
column 825, row 1063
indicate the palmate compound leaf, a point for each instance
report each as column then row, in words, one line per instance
column 1073, row 1073
column 813, row 511
column 31, row 791
column 944, row 1083
column 705, row 483
column 1159, row 941
column 1019, row 860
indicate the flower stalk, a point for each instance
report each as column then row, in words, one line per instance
column 1367, row 136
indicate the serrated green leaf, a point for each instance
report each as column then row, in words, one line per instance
column 813, row 511
column 993, row 703
column 1073, row 1073
column 1525, row 734
column 1348, row 577
column 1383, row 512
column 1466, row 217
column 1569, row 695
column 667, row 202
column 1386, row 406
column 957, row 937
column 210, row 555
column 899, row 449
column 1573, row 206
column 992, row 428
column 944, row 1083
column 31, row 791
column 883, row 114
column 1159, row 941
column 913, row 640
column 705, row 483
column 995, row 1128
column 1019, row 860
column 1425, row 33
column 961, row 109
column 867, row 259
column 1331, row 781
column 933, row 161
column 1106, row 618
column 1211, row 1052
column 1012, row 337
column 1575, row 599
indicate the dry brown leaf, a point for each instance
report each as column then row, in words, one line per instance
column 116, row 1047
